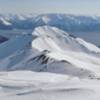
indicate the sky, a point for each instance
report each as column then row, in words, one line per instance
column 91, row 7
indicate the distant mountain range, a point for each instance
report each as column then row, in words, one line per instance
column 73, row 23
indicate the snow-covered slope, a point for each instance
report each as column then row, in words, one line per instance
column 27, row 85
column 75, row 52
column 50, row 49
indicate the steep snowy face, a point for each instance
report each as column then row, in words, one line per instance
column 54, row 39
column 69, row 55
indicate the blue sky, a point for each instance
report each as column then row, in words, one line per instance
column 50, row 6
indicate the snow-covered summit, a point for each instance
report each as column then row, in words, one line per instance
column 54, row 38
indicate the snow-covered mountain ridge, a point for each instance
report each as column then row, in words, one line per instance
column 49, row 49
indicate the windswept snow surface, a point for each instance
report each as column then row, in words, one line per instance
column 49, row 64
column 29, row 85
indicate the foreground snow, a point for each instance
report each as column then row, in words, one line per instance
column 29, row 85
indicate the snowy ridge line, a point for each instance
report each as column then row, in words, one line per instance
column 53, row 34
